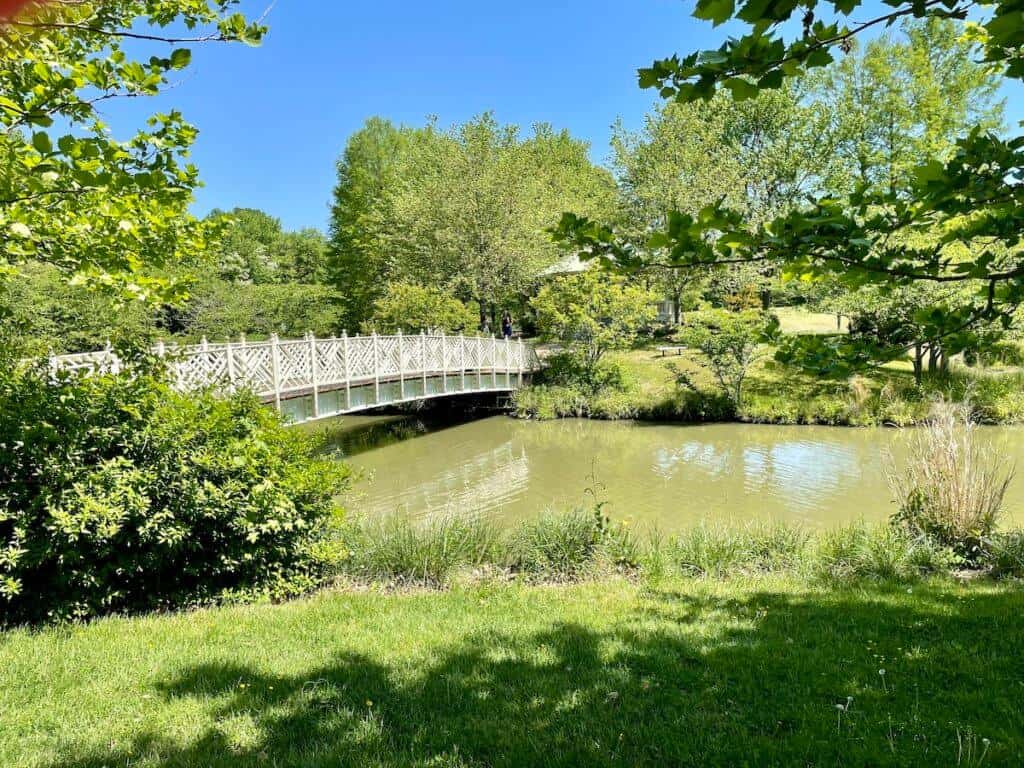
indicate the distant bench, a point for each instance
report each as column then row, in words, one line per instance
column 665, row 350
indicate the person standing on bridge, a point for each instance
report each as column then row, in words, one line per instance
column 506, row 325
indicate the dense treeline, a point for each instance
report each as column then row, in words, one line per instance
column 460, row 218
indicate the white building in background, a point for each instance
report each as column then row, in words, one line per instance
column 573, row 264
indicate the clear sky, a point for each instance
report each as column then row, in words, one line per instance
column 274, row 119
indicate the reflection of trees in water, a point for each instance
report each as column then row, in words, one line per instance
column 790, row 465
column 478, row 484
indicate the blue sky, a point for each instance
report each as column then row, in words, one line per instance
column 274, row 119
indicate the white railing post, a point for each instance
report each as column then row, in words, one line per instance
column 230, row 365
column 376, row 368
column 462, row 360
column 494, row 362
column 401, row 366
column 444, row 362
column 508, row 361
column 113, row 364
column 521, row 363
column 479, row 342
column 423, row 359
column 348, row 376
column 275, row 369
column 313, row 375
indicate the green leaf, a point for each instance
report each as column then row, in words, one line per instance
column 715, row 11
column 42, row 143
column 181, row 58
column 740, row 89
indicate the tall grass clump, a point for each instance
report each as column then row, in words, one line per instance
column 708, row 550
column 569, row 544
column 871, row 551
column 953, row 485
column 396, row 548
column 1005, row 554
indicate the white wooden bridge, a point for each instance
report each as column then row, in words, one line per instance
column 313, row 378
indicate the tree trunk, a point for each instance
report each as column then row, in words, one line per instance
column 918, row 363
column 483, row 315
column 933, row 358
column 676, row 300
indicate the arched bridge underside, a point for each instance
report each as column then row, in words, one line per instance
column 313, row 378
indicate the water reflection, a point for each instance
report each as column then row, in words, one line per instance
column 668, row 475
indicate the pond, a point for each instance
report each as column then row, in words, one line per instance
column 668, row 475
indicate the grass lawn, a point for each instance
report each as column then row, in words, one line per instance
column 678, row 672
column 798, row 321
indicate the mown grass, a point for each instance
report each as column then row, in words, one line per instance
column 775, row 395
column 751, row 670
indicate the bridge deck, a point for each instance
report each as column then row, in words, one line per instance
column 314, row 378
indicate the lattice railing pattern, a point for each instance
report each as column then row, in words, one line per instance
column 280, row 368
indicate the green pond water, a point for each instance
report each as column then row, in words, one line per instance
column 668, row 475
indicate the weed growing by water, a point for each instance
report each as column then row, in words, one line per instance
column 952, row 487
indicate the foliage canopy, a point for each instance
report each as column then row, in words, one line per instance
column 955, row 217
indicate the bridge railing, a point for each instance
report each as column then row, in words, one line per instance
column 278, row 369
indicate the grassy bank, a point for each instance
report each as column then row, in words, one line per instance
column 768, row 670
column 582, row 544
column 774, row 395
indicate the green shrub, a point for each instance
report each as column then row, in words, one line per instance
column 1005, row 352
column 549, row 402
column 219, row 309
column 121, row 495
column 413, row 308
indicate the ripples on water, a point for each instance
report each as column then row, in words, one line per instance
column 667, row 474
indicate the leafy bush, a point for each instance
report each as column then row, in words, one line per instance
column 121, row 495
column 591, row 313
column 730, row 344
column 221, row 310
column 415, row 308
column 41, row 313
column 952, row 488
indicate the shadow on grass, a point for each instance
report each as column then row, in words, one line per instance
column 684, row 681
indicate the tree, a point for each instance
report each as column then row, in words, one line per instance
column 246, row 251
column 730, row 341
column 593, row 312
column 304, row 256
column 408, row 307
column 900, row 320
column 47, row 314
column 358, row 263
column 253, row 248
column 899, row 99
column 106, row 210
column 762, row 156
column 967, row 208
column 467, row 209
column 220, row 310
